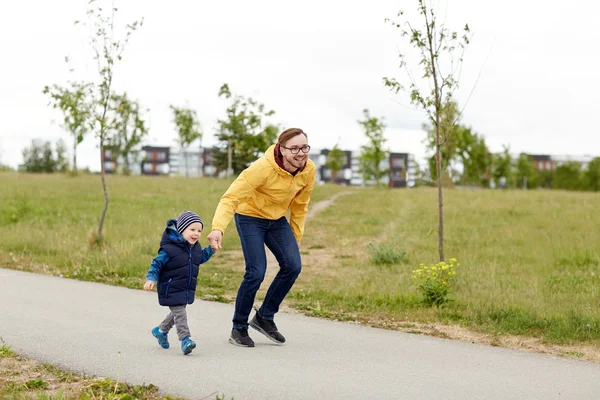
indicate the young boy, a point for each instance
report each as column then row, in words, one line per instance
column 175, row 273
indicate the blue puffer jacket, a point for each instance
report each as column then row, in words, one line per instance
column 175, row 268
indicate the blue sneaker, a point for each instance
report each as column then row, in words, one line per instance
column 187, row 345
column 163, row 339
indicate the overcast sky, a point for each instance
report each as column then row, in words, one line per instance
column 318, row 64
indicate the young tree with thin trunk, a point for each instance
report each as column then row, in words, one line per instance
column 243, row 135
column 128, row 127
column 108, row 50
column 73, row 100
column 440, row 58
column 336, row 159
column 188, row 129
column 373, row 154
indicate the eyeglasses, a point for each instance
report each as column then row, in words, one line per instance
column 305, row 149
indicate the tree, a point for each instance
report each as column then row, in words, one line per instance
column 460, row 146
column 423, row 176
column 40, row 157
column 188, row 129
column 502, row 167
column 568, row 176
column 543, row 178
column 48, row 161
column 475, row 158
column 592, row 175
column 373, row 154
column 108, row 50
column 243, row 136
column 450, row 130
column 74, row 102
column 524, row 171
column 437, row 46
column 33, row 157
column 127, row 126
column 336, row 159
column 62, row 164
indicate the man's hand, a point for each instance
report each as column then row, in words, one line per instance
column 149, row 285
column 215, row 238
column 299, row 245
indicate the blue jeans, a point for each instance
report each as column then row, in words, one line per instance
column 254, row 234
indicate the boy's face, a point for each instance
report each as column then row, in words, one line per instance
column 192, row 233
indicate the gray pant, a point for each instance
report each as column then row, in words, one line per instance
column 178, row 317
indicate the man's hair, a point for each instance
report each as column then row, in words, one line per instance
column 290, row 133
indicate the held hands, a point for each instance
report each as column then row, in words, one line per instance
column 149, row 285
column 215, row 238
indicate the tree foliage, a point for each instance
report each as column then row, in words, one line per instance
column 243, row 134
column 373, row 154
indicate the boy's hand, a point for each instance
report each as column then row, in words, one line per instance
column 215, row 238
column 149, row 285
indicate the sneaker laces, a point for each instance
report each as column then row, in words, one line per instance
column 243, row 332
column 269, row 324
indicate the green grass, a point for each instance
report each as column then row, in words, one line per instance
column 387, row 252
column 529, row 259
column 5, row 350
column 46, row 221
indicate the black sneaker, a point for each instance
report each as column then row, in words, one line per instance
column 267, row 328
column 239, row 337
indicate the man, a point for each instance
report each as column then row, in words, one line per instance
column 258, row 199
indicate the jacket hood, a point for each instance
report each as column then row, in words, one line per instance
column 171, row 235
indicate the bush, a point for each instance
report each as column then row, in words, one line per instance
column 435, row 281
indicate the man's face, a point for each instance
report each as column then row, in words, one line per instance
column 291, row 146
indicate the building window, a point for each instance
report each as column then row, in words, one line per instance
column 398, row 162
column 399, row 175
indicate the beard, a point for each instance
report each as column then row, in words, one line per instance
column 297, row 162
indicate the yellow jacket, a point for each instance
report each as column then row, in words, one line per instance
column 265, row 190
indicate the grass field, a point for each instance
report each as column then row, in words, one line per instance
column 529, row 259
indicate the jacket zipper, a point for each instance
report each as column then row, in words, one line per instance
column 167, row 289
column 187, row 300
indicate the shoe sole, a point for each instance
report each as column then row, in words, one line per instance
column 233, row 342
column 258, row 328
column 189, row 349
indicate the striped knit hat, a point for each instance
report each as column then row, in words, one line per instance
column 187, row 218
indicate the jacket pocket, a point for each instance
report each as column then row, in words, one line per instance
column 167, row 287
